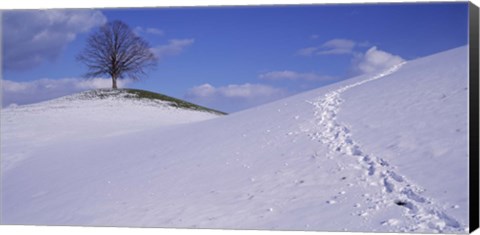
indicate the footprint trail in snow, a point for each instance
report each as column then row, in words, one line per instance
column 421, row 214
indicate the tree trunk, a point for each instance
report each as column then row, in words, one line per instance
column 114, row 82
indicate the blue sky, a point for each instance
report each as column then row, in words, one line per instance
column 229, row 58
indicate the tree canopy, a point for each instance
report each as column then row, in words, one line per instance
column 115, row 50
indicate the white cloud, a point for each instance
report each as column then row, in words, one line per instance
column 337, row 47
column 233, row 97
column 292, row 75
column 335, row 51
column 314, row 36
column 154, row 31
column 364, row 44
column 374, row 60
column 308, row 51
column 45, row 89
column 96, row 83
column 244, row 91
column 32, row 37
column 339, row 43
column 149, row 30
column 205, row 90
column 370, row 61
column 333, row 47
column 174, row 47
column 248, row 91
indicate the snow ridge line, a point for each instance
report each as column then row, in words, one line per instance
column 421, row 213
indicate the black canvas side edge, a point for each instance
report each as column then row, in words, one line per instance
column 474, row 116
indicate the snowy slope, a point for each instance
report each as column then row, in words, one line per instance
column 380, row 152
column 90, row 114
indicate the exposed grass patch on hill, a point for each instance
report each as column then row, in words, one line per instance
column 148, row 95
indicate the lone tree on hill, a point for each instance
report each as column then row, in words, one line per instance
column 115, row 50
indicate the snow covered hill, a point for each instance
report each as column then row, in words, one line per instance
column 91, row 114
column 385, row 151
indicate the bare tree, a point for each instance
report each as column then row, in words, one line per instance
column 115, row 50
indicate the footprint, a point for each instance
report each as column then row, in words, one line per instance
column 354, row 151
column 412, row 195
column 391, row 222
column 382, row 162
column 389, row 187
column 395, row 176
column 407, row 204
column 448, row 220
column 371, row 170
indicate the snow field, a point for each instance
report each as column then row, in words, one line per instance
column 379, row 152
column 424, row 215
